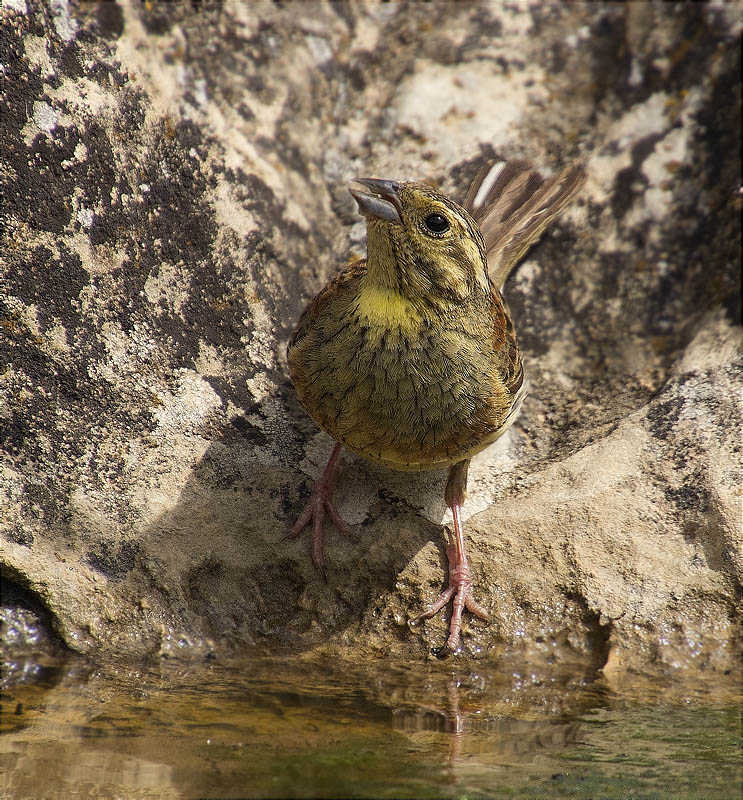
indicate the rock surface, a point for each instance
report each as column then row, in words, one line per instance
column 173, row 184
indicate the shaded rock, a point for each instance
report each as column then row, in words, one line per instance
column 174, row 191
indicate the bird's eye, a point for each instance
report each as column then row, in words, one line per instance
column 436, row 223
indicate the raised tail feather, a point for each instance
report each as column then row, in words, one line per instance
column 513, row 205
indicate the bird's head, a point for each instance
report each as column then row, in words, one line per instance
column 420, row 243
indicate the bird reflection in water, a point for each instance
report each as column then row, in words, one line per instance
column 536, row 714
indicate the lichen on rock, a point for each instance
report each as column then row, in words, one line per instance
column 174, row 191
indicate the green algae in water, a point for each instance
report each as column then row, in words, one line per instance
column 300, row 728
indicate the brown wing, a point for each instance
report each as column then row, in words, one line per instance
column 513, row 205
column 352, row 271
column 504, row 344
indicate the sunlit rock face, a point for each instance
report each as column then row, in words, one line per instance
column 173, row 184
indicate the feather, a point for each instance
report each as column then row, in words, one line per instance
column 513, row 205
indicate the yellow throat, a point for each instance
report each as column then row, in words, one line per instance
column 385, row 307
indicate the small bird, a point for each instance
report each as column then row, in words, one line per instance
column 409, row 357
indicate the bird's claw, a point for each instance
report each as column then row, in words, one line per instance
column 319, row 504
column 460, row 590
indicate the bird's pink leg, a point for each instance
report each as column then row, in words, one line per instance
column 320, row 502
column 460, row 578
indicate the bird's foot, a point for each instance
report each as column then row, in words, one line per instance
column 460, row 589
column 319, row 504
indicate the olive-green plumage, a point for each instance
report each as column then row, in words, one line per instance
column 409, row 357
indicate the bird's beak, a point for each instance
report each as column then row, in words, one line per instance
column 383, row 202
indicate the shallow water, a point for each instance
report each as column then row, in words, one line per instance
column 301, row 727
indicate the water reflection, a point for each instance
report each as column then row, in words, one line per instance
column 470, row 724
column 309, row 727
